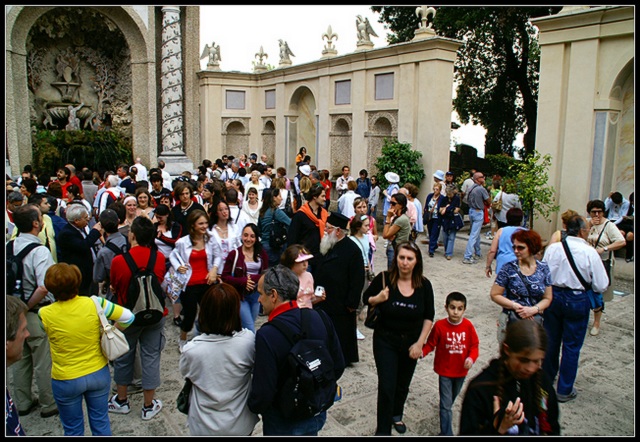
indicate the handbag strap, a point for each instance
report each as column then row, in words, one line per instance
column 103, row 318
column 584, row 283
column 600, row 236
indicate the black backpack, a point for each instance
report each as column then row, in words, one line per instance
column 145, row 297
column 15, row 268
column 278, row 237
column 308, row 384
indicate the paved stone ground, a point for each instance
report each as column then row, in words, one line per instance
column 605, row 405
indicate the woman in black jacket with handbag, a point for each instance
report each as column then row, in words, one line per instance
column 405, row 301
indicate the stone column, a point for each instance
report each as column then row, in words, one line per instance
column 173, row 151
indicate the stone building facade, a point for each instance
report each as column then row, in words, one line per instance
column 586, row 116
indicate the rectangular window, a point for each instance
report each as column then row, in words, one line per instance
column 235, row 99
column 270, row 99
column 343, row 92
column 384, row 86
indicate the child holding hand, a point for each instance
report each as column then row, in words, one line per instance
column 457, row 348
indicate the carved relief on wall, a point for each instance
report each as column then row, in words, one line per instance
column 340, row 142
column 381, row 125
column 78, row 58
column 269, row 138
column 235, row 136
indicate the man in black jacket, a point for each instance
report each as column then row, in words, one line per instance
column 341, row 273
column 278, row 288
column 77, row 245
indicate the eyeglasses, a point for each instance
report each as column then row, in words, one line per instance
column 596, row 212
column 482, row 176
column 519, row 247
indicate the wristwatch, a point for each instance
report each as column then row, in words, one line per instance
column 605, row 248
column 538, row 307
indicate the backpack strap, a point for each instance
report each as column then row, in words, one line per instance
column 115, row 249
column 130, row 262
column 25, row 251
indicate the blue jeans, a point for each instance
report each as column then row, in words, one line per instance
column 391, row 253
column 94, row 388
column 274, row 424
column 273, row 254
column 566, row 321
column 433, row 227
column 476, row 217
column 449, row 389
column 249, row 309
column 449, row 240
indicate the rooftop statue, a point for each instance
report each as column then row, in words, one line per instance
column 213, row 52
column 285, row 52
column 364, row 30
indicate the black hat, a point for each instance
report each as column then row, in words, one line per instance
column 337, row 219
column 449, row 173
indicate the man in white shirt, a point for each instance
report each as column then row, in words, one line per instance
column 617, row 207
column 341, row 182
column 142, row 171
column 345, row 202
column 166, row 178
column 567, row 318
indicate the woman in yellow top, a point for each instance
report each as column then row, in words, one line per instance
column 301, row 154
column 79, row 369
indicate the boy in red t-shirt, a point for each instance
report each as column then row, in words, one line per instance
column 456, row 344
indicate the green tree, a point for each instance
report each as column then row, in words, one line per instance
column 496, row 69
column 532, row 177
column 400, row 158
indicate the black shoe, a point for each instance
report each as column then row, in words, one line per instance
column 629, row 259
column 177, row 321
column 400, row 427
column 33, row 406
column 430, row 255
column 45, row 414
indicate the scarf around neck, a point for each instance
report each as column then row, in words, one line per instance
column 320, row 223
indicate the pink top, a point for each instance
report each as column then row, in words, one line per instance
column 305, row 293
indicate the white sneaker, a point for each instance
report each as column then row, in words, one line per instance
column 115, row 407
column 359, row 335
column 148, row 413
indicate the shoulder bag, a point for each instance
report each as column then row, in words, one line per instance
column 606, row 262
column 512, row 316
column 596, row 299
column 497, row 205
column 174, row 282
column 182, row 402
column 373, row 311
column 112, row 341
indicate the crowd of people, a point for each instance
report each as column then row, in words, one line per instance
column 216, row 230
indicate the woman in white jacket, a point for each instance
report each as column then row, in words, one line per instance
column 225, row 236
column 194, row 256
column 219, row 363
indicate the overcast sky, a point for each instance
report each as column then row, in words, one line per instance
column 240, row 31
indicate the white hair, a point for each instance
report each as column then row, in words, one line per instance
column 75, row 211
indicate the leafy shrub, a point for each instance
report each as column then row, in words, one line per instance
column 97, row 150
column 400, row 158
